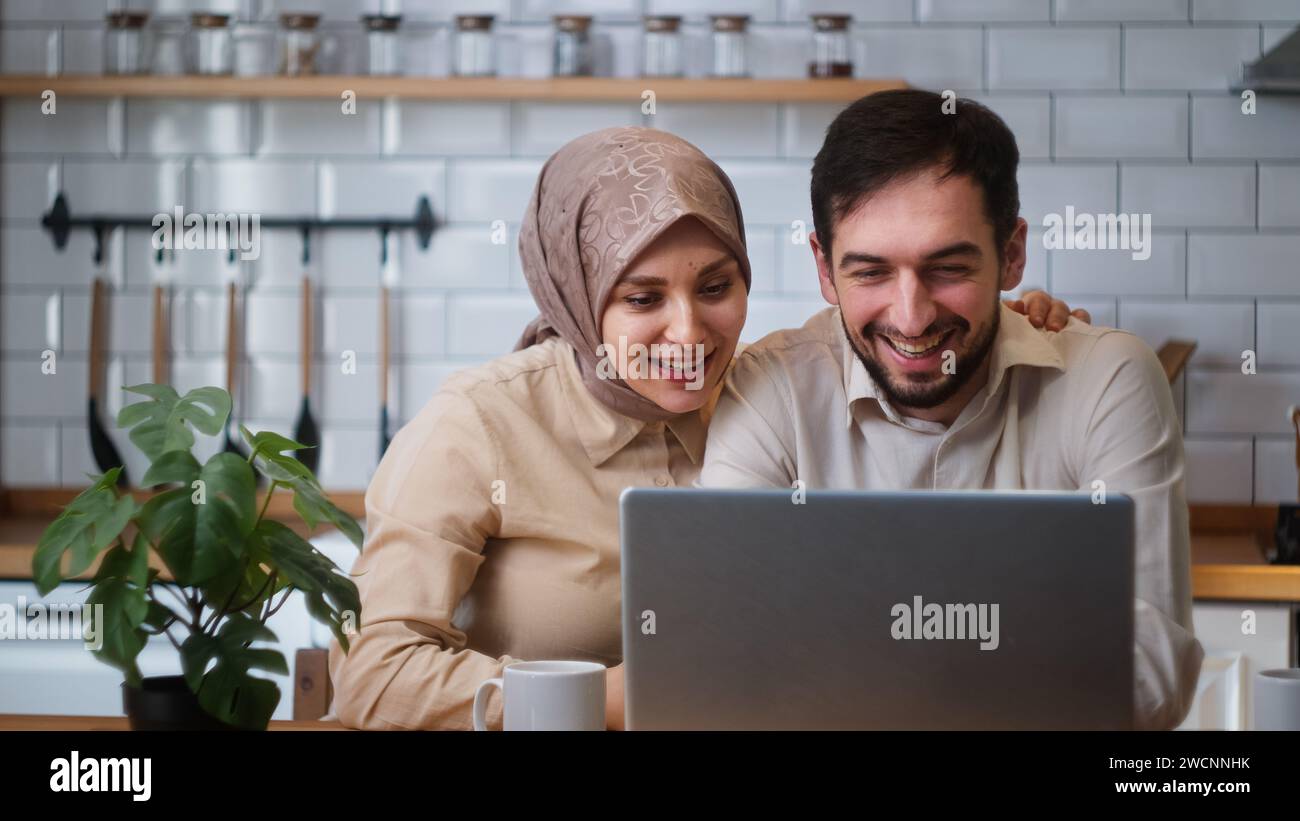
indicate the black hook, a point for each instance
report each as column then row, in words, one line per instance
column 383, row 244
column 98, row 228
column 424, row 222
column 305, row 229
column 230, row 243
column 57, row 221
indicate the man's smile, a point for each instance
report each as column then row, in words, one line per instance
column 919, row 346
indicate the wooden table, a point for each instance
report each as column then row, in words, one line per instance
column 11, row 721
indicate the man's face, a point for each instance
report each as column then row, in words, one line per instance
column 917, row 277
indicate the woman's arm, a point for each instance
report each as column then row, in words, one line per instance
column 429, row 512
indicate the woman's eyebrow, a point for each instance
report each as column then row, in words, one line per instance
column 652, row 281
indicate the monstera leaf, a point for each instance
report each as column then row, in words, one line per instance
column 330, row 595
column 159, row 426
column 270, row 455
column 200, row 528
column 120, row 606
column 84, row 529
column 228, row 692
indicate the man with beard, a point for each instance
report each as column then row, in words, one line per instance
column 919, row 378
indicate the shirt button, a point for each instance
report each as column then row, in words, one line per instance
column 661, row 481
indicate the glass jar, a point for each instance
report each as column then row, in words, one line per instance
column 572, row 51
column 168, row 53
column 830, row 46
column 473, row 49
column 254, row 49
column 125, row 43
column 299, row 44
column 730, row 44
column 661, row 46
column 383, row 58
column 211, row 47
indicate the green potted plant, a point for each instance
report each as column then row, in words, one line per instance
column 231, row 567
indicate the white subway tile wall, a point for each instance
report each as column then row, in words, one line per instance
column 1219, row 471
column 1117, row 105
column 1157, row 126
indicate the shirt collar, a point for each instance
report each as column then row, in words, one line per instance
column 604, row 431
column 1017, row 343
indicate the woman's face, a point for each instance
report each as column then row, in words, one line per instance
column 680, row 304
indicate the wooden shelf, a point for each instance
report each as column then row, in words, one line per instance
column 628, row 89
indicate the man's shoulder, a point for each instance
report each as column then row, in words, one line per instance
column 1088, row 346
column 1099, row 362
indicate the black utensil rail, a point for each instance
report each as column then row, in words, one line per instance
column 59, row 222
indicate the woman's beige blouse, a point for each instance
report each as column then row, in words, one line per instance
column 492, row 537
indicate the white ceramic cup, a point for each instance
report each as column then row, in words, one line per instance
column 547, row 695
column 1277, row 699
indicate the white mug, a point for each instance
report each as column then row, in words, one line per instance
column 547, row 695
column 1277, row 699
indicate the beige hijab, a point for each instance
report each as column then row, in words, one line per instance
column 599, row 201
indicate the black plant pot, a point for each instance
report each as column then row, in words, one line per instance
column 166, row 703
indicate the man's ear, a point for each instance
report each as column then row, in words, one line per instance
column 825, row 276
column 1013, row 257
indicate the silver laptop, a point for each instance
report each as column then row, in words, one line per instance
column 866, row 610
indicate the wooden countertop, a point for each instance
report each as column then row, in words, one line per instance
column 25, row 513
column 1232, row 566
column 1228, row 543
column 12, row 721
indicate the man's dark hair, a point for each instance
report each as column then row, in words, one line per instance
column 892, row 134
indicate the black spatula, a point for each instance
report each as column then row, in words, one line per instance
column 383, row 371
column 232, row 444
column 158, row 371
column 383, row 343
column 232, row 354
column 101, row 446
column 305, row 430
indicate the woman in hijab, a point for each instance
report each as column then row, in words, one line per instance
column 492, row 522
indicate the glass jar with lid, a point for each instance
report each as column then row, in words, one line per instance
column 211, row 47
column 299, row 43
column 126, row 43
column 830, row 46
column 254, row 49
column 383, row 57
column 730, row 45
column 572, row 50
column 168, row 52
column 661, row 46
column 473, row 47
